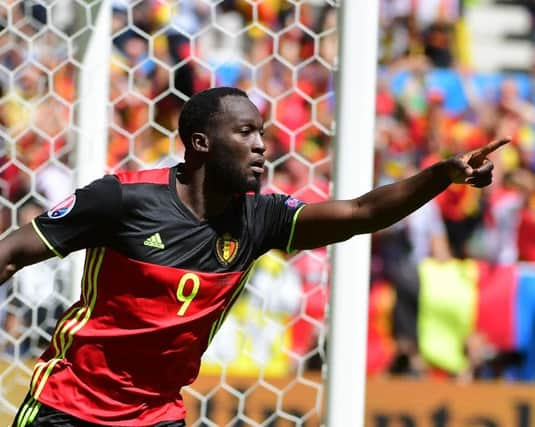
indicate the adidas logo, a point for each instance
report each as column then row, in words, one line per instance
column 154, row 241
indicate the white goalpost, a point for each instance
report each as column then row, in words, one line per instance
column 93, row 120
column 353, row 174
column 93, row 111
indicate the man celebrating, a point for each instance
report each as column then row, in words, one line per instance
column 168, row 253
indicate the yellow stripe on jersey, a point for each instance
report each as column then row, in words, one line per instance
column 56, row 338
column 45, row 240
column 28, row 413
column 72, row 322
column 289, row 249
column 217, row 324
column 33, row 412
column 39, row 366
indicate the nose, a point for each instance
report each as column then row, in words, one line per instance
column 258, row 144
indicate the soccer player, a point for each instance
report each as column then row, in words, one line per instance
column 169, row 251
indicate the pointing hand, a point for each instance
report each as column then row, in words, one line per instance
column 474, row 168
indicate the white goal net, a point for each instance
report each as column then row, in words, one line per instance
column 265, row 366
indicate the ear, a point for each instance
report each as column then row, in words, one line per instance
column 200, row 142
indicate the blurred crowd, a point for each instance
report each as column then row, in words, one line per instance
column 430, row 104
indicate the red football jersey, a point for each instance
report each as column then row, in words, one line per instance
column 157, row 285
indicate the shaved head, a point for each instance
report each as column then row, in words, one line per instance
column 199, row 112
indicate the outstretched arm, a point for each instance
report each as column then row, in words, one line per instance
column 333, row 221
column 22, row 247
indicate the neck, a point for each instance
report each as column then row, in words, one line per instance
column 197, row 194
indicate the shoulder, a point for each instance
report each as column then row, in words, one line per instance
column 273, row 199
column 106, row 188
column 143, row 186
column 149, row 176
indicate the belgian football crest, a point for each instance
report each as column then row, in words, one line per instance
column 226, row 249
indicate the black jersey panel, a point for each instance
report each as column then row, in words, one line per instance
column 147, row 221
column 157, row 228
column 272, row 220
column 86, row 219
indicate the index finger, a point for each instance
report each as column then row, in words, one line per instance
column 493, row 146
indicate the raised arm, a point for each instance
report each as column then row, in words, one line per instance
column 333, row 221
column 20, row 248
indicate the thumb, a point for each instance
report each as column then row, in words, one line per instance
column 463, row 165
column 459, row 170
column 467, row 169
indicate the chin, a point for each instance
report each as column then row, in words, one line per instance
column 255, row 188
column 251, row 186
column 230, row 180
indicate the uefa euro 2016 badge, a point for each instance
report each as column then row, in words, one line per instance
column 292, row 202
column 62, row 208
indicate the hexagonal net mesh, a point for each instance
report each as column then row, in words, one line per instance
column 264, row 366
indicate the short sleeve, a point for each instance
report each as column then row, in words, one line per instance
column 85, row 219
column 275, row 217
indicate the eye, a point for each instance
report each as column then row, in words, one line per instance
column 261, row 132
column 245, row 130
